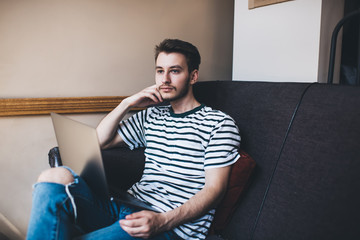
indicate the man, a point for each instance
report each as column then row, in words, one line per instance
column 189, row 151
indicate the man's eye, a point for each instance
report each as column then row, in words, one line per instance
column 175, row 71
column 159, row 71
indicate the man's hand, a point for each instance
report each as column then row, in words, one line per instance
column 106, row 130
column 144, row 98
column 144, row 224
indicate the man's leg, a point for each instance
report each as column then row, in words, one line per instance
column 64, row 207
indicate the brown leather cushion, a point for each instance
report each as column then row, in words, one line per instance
column 238, row 181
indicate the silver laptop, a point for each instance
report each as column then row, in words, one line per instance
column 80, row 150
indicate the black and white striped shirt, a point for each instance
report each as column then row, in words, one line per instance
column 179, row 147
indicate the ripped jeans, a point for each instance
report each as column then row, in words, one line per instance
column 73, row 212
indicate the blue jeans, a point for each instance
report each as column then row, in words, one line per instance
column 74, row 212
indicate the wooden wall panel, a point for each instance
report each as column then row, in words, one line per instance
column 41, row 106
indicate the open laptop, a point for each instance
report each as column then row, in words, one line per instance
column 80, row 150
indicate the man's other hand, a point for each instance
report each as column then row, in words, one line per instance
column 144, row 224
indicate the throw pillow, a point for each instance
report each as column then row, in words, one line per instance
column 238, row 181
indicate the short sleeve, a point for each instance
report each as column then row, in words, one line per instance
column 131, row 130
column 222, row 149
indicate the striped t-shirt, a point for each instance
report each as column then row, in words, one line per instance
column 178, row 148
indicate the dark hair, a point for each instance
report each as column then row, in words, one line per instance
column 190, row 52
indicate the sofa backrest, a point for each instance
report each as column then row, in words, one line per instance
column 301, row 185
column 315, row 190
column 262, row 112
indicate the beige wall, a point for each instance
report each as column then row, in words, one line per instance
column 81, row 48
column 89, row 48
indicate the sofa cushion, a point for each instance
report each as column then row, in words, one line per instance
column 211, row 237
column 238, row 181
column 123, row 167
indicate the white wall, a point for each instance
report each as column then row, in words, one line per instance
column 279, row 42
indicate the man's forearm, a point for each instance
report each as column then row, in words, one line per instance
column 106, row 130
column 216, row 181
column 194, row 208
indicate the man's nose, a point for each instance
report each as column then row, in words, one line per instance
column 166, row 78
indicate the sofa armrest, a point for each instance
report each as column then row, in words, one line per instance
column 123, row 167
column 54, row 157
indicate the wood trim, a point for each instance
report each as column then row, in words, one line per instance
column 42, row 106
column 260, row 3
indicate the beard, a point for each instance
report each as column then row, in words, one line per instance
column 178, row 95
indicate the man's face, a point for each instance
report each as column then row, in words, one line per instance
column 172, row 76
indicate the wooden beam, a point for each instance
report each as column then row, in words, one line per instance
column 42, row 106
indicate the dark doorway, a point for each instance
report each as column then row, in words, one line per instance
column 350, row 56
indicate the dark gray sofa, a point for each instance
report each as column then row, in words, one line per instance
column 305, row 139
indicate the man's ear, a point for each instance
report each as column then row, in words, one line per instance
column 194, row 76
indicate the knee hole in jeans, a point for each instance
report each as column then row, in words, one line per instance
column 56, row 175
